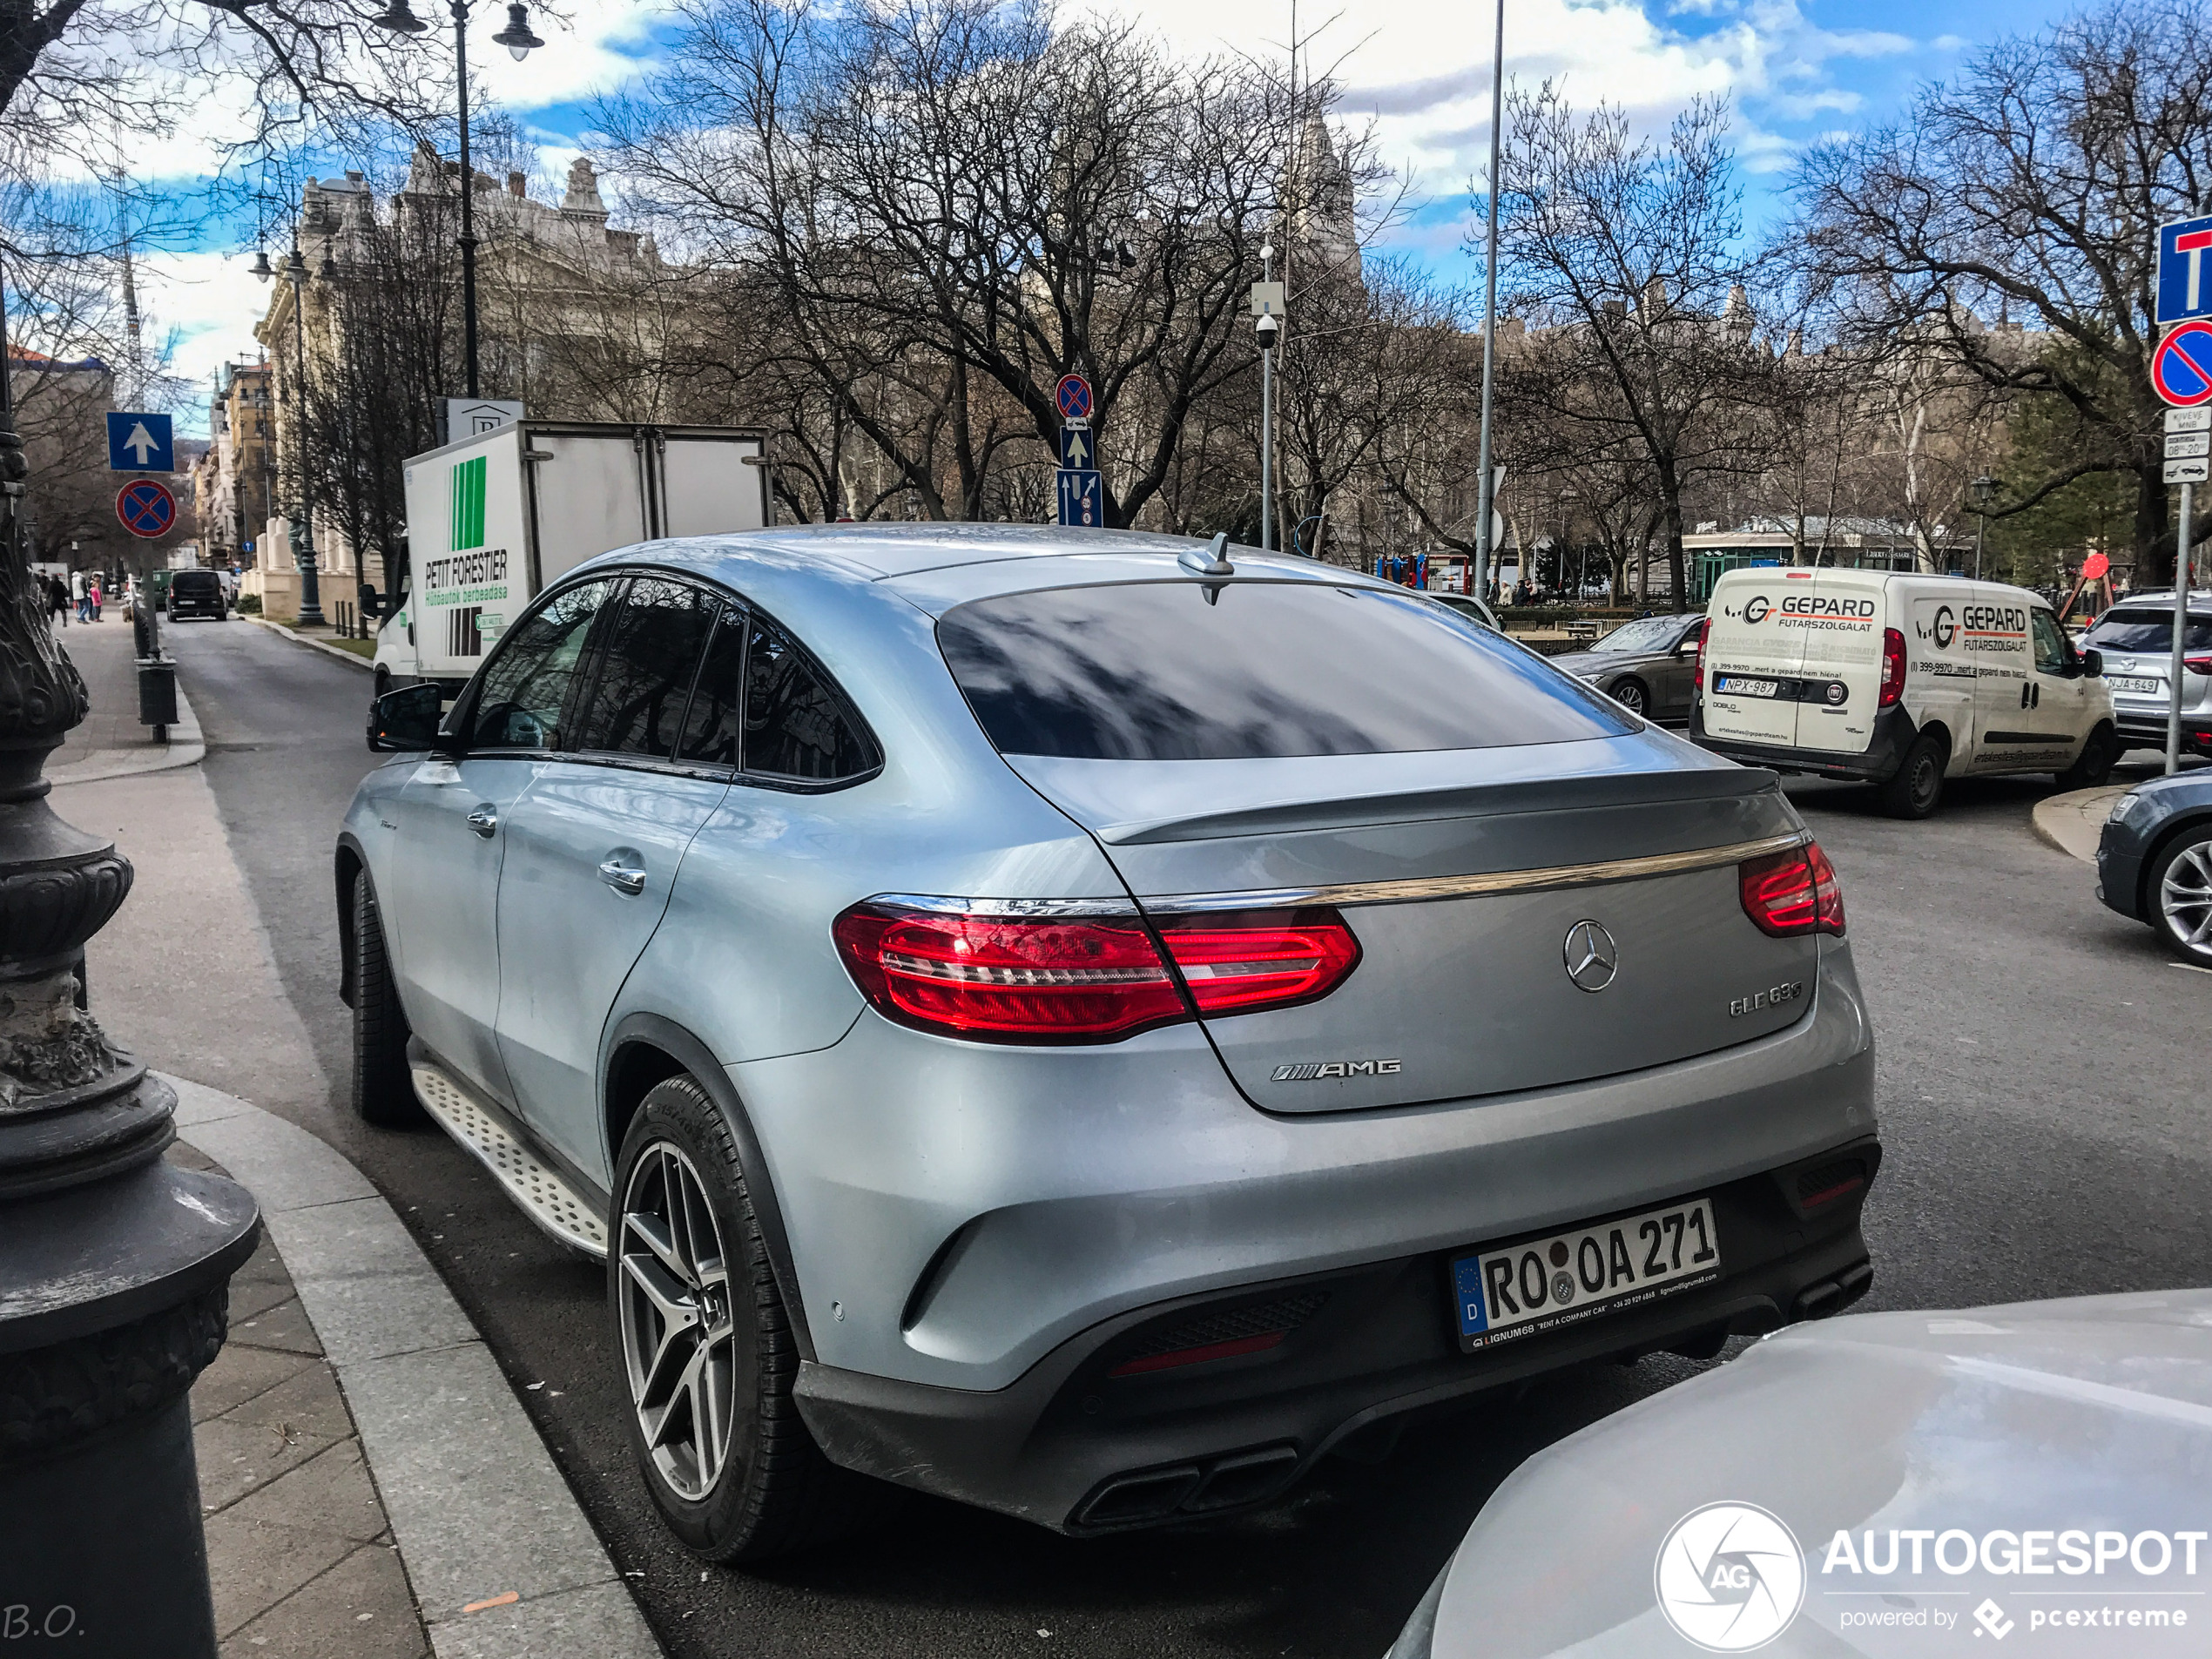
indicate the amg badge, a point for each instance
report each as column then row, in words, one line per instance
column 1336, row 1068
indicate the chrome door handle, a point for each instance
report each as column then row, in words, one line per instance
column 622, row 876
column 484, row 821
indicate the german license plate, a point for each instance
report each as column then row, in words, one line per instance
column 1737, row 685
column 2132, row 683
column 1547, row 1284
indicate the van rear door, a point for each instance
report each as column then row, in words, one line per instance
column 1840, row 616
column 1751, row 660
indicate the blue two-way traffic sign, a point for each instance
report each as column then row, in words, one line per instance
column 139, row 443
column 2181, row 368
column 1083, row 499
column 2184, row 273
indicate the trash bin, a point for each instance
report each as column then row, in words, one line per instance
column 157, row 693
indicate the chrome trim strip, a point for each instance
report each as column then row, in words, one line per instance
column 1468, row 887
column 1036, row 909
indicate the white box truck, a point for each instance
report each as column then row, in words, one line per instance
column 494, row 517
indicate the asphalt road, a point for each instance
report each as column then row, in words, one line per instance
column 2041, row 1076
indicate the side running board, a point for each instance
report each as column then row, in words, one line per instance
column 545, row 1197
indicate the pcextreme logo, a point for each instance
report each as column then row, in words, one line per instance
column 466, row 528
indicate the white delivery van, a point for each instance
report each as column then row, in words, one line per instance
column 1898, row 679
column 494, row 517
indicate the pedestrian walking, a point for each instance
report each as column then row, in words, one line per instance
column 77, row 593
column 57, row 601
column 93, row 589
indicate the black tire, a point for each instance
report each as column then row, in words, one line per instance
column 772, row 1492
column 380, row 680
column 2100, row 754
column 2187, row 910
column 383, row 1083
column 1916, row 790
column 1634, row 696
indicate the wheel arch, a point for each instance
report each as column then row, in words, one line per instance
column 347, row 864
column 643, row 1050
column 1939, row 728
column 2177, row 829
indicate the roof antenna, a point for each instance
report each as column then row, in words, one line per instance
column 1214, row 562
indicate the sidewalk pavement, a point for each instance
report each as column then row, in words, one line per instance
column 2074, row 822
column 111, row 743
column 374, row 1488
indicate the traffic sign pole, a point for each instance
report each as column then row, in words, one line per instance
column 2181, row 631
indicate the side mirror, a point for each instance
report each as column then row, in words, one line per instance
column 406, row 719
column 2093, row 663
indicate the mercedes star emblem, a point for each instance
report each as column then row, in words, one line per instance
column 1592, row 957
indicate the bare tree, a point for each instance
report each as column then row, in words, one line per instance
column 1626, row 256
column 2032, row 184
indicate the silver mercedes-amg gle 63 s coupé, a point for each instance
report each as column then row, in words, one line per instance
column 1086, row 1024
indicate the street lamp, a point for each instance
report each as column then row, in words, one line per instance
column 1985, row 489
column 303, row 528
column 117, row 1261
column 400, row 17
column 1269, row 329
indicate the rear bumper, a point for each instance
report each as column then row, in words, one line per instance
column 980, row 1236
column 1073, row 1447
column 2140, row 729
column 1894, row 733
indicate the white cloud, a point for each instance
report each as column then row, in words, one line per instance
column 212, row 304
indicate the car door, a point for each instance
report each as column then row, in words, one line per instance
column 2066, row 703
column 592, row 852
column 1674, row 677
column 440, row 895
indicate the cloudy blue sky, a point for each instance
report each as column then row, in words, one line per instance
column 1419, row 68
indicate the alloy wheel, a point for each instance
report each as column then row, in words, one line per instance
column 2185, row 898
column 679, row 1339
column 1630, row 696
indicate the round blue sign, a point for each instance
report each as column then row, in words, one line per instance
column 2181, row 368
column 146, row 507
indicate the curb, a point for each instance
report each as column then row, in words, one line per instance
column 2074, row 822
column 324, row 646
column 186, row 747
column 481, row 1517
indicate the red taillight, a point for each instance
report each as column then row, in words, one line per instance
column 1258, row 959
column 1792, row 893
column 1893, row 668
column 1043, row 980
column 1704, row 633
column 2198, row 665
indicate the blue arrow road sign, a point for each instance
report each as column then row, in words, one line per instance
column 139, row 443
column 1082, row 498
column 2185, row 270
column 1078, row 448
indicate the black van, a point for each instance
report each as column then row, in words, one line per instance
column 197, row 593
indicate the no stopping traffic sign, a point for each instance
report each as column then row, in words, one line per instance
column 2181, row 367
column 146, row 507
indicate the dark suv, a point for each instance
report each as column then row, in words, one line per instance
column 197, row 593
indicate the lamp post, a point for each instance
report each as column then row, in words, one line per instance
column 1269, row 329
column 399, row 17
column 1985, row 489
column 1486, row 490
column 114, row 1282
column 302, row 526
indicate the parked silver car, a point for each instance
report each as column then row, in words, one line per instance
column 2136, row 638
column 1082, row 1025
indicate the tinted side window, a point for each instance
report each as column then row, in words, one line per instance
column 1152, row 671
column 528, row 679
column 795, row 722
column 648, row 650
column 712, row 730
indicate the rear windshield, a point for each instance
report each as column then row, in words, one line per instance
column 194, row 582
column 2149, row 630
column 1152, row 671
